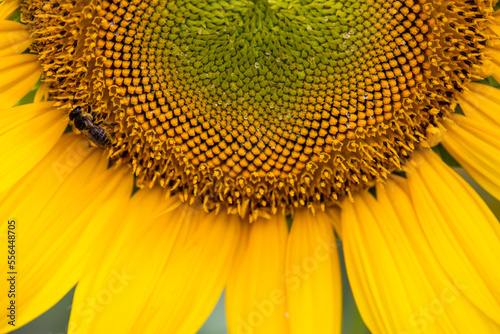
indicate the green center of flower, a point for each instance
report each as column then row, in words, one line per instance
column 265, row 88
column 256, row 106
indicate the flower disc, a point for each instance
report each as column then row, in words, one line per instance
column 262, row 105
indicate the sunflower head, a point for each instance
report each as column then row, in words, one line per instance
column 260, row 106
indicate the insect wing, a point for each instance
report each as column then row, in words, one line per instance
column 98, row 136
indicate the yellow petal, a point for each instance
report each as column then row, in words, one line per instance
column 313, row 283
column 255, row 293
column 8, row 7
column 42, row 93
column 334, row 214
column 18, row 74
column 460, row 228
column 27, row 133
column 482, row 102
column 491, row 65
column 58, row 216
column 125, row 266
column 397, row 280
column 148, row 268
column 495, row 23
column 476, row 146
column 181, row 304
column 14, row 38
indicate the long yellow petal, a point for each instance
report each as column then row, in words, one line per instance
column 255, row 293
column 151, row 267
column 27, row 133
column 397, row 280
column 8, row 7
column 180, row 303
column 482, row 102
column 59, row 207
column 460, row 228
column 476, row 146
column 313, row 283
column 491, row 65
column 18, row 74
column 495, row 23
column 125, row 266
column 14, row 38
column 334, row 214
column 42, row 93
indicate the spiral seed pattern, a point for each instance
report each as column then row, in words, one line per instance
column 260, row 106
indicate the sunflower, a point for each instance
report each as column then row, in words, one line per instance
column 173, row 149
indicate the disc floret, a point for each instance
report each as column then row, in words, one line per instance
column 260, row 106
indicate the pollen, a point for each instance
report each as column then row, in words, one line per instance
column 255, row 107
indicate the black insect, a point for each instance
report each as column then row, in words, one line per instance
column 84, row 122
